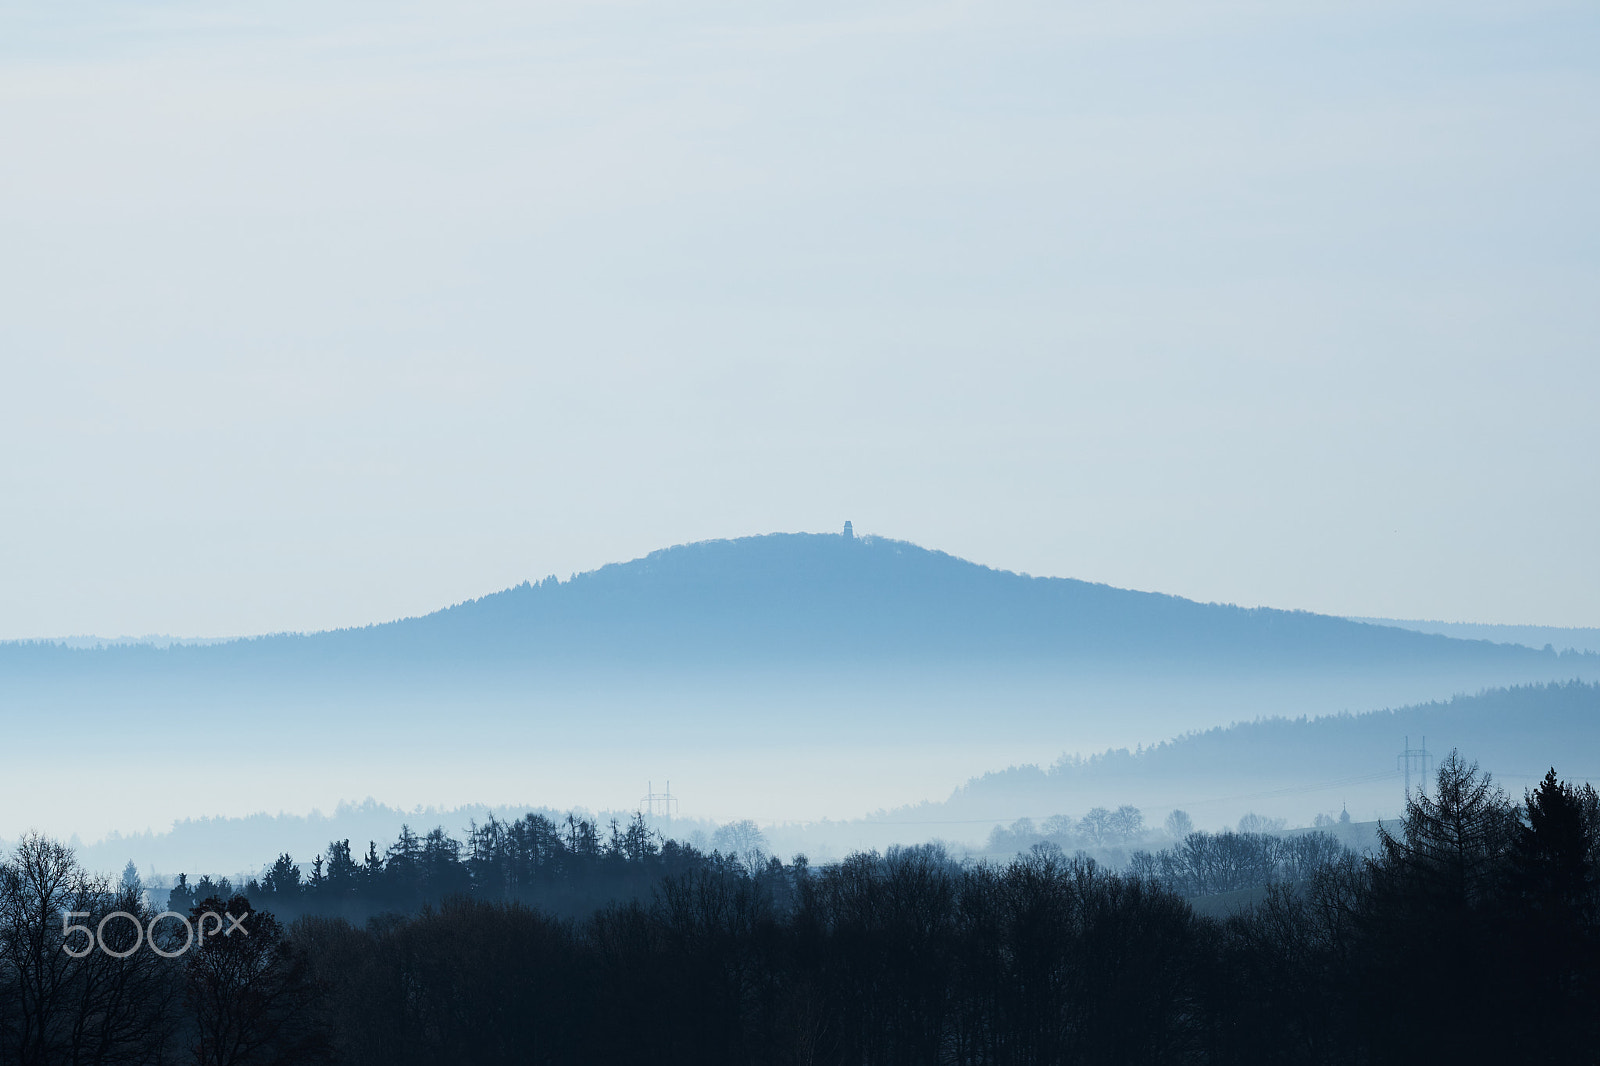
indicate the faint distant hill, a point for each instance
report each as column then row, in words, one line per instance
column 1278, row 767
column 1558, row 638
column 787, row 635
column 154, row 640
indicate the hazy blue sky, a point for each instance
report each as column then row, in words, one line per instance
column 313, row 314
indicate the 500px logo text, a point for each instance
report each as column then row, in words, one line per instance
column 143, row 935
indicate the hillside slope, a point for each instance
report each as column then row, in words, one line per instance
column 784, row 676
column 807, row 600
column 1298, row 767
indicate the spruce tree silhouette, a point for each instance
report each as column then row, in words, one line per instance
column 1434, row 943
column 1550, row 917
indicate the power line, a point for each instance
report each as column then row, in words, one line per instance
column 653, row 799
column 1421, row 758
column 1540, row 777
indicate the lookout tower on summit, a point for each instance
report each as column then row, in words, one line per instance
column 849, row 531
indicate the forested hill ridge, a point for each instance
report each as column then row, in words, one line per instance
column 798, row 652
column 810, row 599
column 1296, row 767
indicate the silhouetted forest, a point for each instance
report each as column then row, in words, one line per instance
column 565, row 868
column 1473, row 934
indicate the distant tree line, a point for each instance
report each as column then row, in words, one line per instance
column 1100, row 829
column 1473, row 935
column 1206, row 864
column 1198, row 864
column 566, row 868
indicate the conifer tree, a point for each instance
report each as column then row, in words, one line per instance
column 1451, row 842
column 1551, row 872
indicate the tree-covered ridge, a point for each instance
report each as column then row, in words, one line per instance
column 1353, row 752
column 787, row 595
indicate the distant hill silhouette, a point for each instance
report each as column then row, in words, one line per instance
column 783, row 599
column 775, row 639
column 1560, row 638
